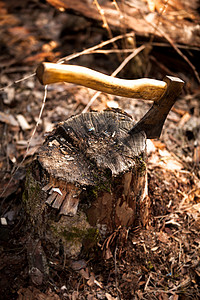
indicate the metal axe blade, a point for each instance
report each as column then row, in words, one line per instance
column 153, row 121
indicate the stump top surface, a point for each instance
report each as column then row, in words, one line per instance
column 85, row 146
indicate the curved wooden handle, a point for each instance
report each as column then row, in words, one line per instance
column 147, row 89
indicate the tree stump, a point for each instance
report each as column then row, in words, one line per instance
column 87, row 179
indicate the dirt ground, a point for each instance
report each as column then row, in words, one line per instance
column 161, row 261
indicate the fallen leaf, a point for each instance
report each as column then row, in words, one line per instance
column 33, row 293
column 163, row 237
column 158, row 144
column 109, row 297
column 8, row 119
column 151, row 5
column 150, row 147
column 91, row 280
column 184, row 119
column 23, row 122
column 154, row 248
column 112, row 104
column 78, row 265
column 84, row 273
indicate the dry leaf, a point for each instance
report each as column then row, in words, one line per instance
column 112, row 104
column 78, row 265
column 163, row 237
column 33, row 293
column 8, row 119
column 91, row 280
column 150, row 147
column 22, row 122
column 172, row 164
column 169, row 162
column 109, row 297
column 159, row 145
column 154, row 248
column 184, row 119
column 196, row 156
column 84, row 273
column 151, row 5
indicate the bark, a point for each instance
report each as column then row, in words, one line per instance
column 88, row 179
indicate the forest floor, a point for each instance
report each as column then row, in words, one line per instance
column 161, row 261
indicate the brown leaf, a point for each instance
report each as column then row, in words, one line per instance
column 184, row 119
column 8, row 119
column 91, row 280
column 158, row 144
column 78, row 265
column 32, row 293
column 196, row 156
column 151, row 5
column 84, row 273
column 163, row 237
column 23, row 122
column 109, row 297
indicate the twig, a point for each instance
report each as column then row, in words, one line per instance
column 147, row 283
column 164, row 7
column 29, row 141
column 116, row 281
column 94, row 97
column 105, row 24
column 121, row 66
column 112, row 51
column 17, row 81
column 180, row 53
column 127, row 59
column 89, row 50
column 122, row 17
column 166, row 36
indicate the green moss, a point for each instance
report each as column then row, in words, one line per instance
column 150, row 265
column 100, row 185
column 31, row 185
column 93, row 193
column 33, row 205
column 91, row 240
column 142, row 164
column 73, row 234
column 30, row 196
column 75, row 238
column 92, row 235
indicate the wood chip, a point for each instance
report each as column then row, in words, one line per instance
column 4, row 221
column 51, row 198
column 23, row 122
column 69, row 206
column 59, row 200
column 57, row 190
column 184, row 119
column 47, row 187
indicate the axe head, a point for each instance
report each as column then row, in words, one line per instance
column 153, row 121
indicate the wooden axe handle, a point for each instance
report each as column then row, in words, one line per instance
column 147, row 89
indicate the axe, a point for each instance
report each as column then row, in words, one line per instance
column 163, row 93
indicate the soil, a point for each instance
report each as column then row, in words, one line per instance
column 160, row 261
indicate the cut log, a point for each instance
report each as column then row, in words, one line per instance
column 88, row 178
